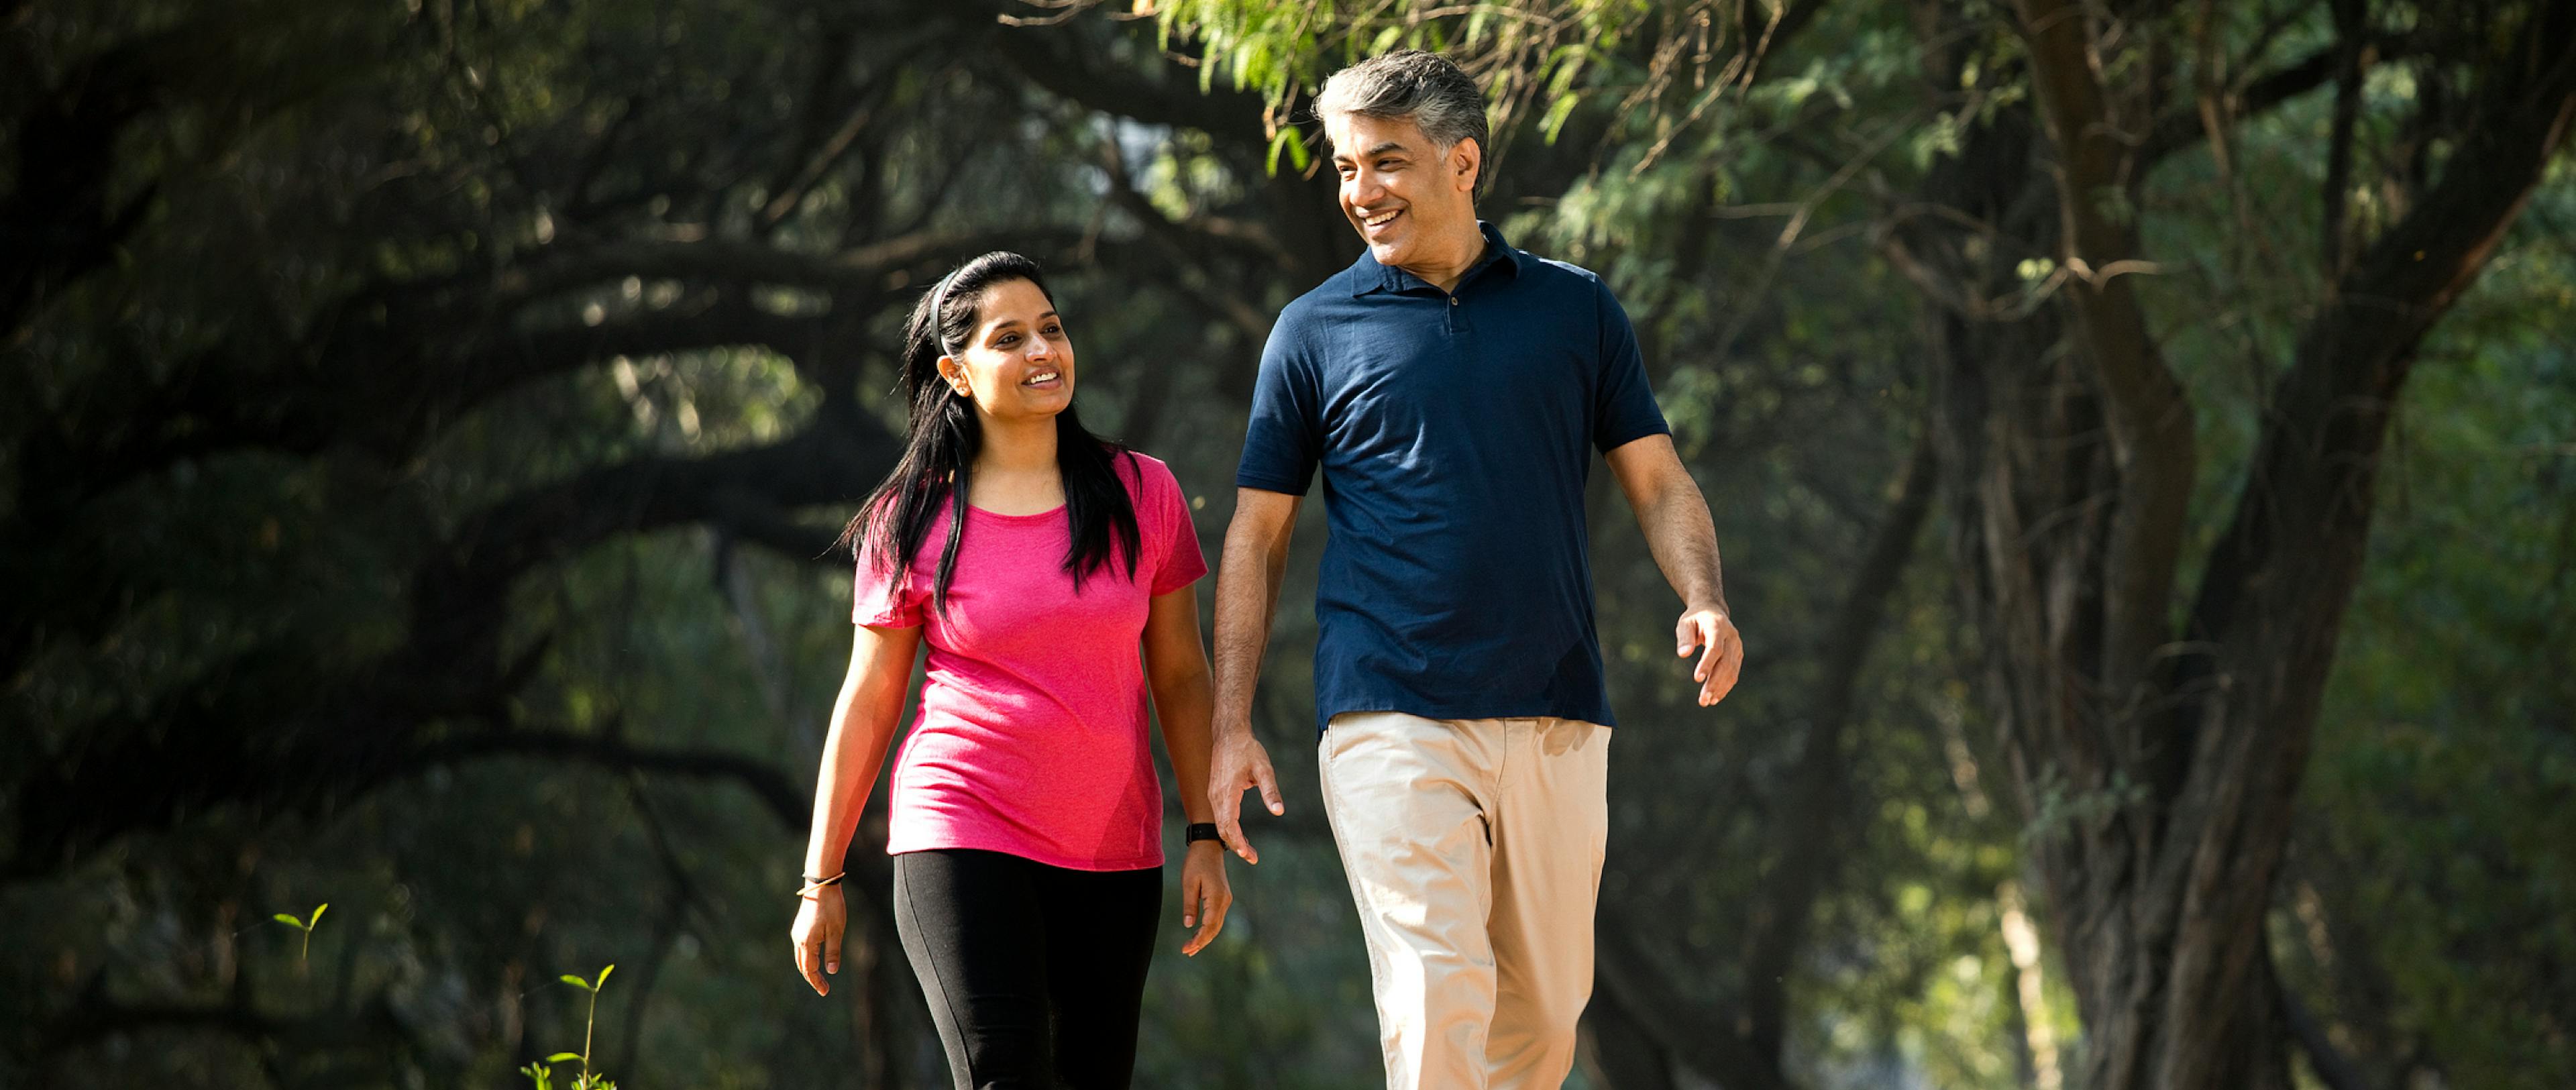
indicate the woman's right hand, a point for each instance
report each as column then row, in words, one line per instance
column 817, row 935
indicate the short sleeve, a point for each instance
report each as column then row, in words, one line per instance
column 882, row 599
column 1180, row 561
column 1285, row 437
column 1623, row 405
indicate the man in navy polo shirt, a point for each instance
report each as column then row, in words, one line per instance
column 1453, row 391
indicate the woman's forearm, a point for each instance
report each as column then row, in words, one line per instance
column 864, row 717
column 1176, row 669
column 1184, row 705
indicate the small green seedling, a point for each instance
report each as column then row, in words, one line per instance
column 543, row 1076
column 305, row 926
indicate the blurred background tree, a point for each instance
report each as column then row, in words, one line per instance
column 2141, row 433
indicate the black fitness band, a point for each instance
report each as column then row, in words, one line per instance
column 1202, row 831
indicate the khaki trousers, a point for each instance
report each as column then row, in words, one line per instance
column 1474, row 853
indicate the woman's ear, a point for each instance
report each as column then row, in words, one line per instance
column 954, row 374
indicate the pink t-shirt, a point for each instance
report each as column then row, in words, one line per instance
column 1030, row 737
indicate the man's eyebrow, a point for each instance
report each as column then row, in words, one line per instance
column 1372, row 153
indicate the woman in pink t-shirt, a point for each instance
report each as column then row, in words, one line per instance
column 1050, row 574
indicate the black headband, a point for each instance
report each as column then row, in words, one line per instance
column 939, row 299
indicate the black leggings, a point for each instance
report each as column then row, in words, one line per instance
column 1035, row 974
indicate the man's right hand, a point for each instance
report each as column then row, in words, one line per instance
column 1240, row 764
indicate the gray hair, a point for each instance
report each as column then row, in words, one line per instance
column 1410, row 83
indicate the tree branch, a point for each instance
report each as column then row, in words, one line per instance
column 2151, row 421
column 2183, row 128
column 1062, row 60
column 778, row 794
column 2350, row 62
column 2282, row 573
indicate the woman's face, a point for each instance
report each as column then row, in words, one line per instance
column 1018, row 363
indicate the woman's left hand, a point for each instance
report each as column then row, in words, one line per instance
column 1204, row 894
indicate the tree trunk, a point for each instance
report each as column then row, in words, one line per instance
column 2158, row 762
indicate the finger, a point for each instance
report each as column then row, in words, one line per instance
column 1210, row 922
column 1229, row 828
column 1708, row 660
column 1269, row 783
column 1722, row 679
column 1734, row 665
column 832, row 946
column 1685, row 636
column 1189, row 902
column 807, row 965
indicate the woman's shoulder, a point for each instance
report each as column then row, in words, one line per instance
column 1143, row 472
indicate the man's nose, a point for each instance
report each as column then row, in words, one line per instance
column 1365, row 188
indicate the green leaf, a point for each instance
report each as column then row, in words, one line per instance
column 317, row 913
column 562, row 1057
column 1557, row 113
column 289, row 921
column 1279, row 143
column 578, row 982
column 603, row 975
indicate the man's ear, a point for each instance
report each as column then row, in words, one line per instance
column 1467, row 163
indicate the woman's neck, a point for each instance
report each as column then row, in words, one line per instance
column 1016, row 447
column 1015, row 471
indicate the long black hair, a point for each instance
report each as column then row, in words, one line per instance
column 943, row 436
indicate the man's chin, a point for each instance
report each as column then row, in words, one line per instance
column 1389, row 253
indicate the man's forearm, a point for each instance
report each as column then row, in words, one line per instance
column 1683, row 539
column 1247, row 596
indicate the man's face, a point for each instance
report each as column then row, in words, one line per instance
column 1398, row 191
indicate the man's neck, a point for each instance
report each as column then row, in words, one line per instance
column 1447, row 261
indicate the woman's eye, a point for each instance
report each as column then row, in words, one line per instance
column 1055, row 331
column 1006, row 340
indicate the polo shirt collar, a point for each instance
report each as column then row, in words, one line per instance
column 1368, row 276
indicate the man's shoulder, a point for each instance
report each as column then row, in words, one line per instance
column 1333, row 290
column 1551, row 273
column 1307, row 314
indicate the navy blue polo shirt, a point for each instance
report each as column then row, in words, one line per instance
column 1455, row 432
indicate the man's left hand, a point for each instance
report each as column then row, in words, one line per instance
column 1711, row 632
